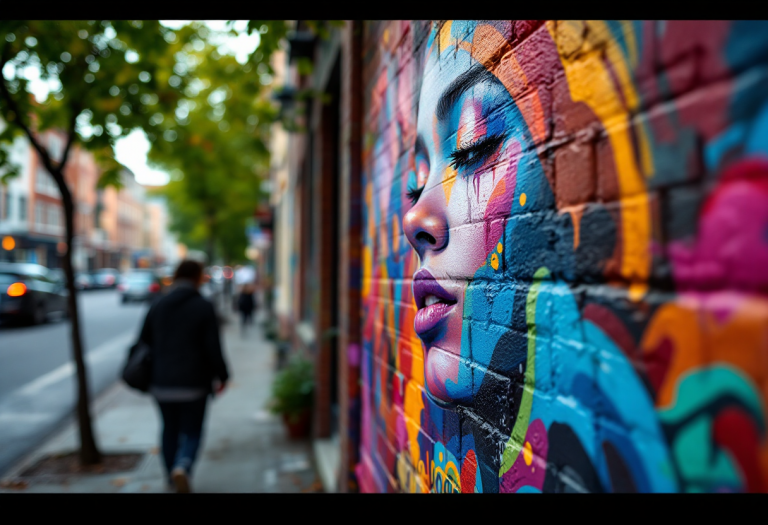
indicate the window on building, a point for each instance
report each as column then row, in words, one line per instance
column 22, row 208
column 39, row 215
column 54, row 218
column 44, row 183
column 55, row 146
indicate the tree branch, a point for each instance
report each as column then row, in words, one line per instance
column 18, row 119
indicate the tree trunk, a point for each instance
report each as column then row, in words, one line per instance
column 89, row 451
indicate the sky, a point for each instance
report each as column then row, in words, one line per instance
column 131, row 151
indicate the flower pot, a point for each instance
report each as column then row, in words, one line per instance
column 298, row 428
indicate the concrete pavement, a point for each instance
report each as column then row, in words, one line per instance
column 37, row 377
column 245, row 448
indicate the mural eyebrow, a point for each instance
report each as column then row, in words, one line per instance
column 475, row 75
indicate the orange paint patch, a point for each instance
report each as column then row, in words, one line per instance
column 449, row 177
column 445, row 35
column 527, row 453
column 699, row 338
column 498, row 192
column 590, row 82
column 395, row 233
column 576, row 214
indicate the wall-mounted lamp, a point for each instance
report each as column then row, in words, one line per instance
column 302, row 44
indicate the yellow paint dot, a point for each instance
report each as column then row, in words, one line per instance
column 499, row 248
column 440, row 457
column 528, row 453
column 637, row 291
column 495, row 261
column 523, row 198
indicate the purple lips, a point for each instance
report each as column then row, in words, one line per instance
column 434, row 303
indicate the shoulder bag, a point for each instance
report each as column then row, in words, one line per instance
column 137, row 372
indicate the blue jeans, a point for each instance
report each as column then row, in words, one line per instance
column 182, row 432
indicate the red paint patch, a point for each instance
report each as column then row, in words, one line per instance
column 613, row 328
column 736, row 432
column 657, row 363
column 468, row 471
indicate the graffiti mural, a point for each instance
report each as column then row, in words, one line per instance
column 566, row 243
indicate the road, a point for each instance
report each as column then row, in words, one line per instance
column 37, row 378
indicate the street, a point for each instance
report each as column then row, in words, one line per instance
column 37, row 376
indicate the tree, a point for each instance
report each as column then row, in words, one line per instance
column 217, row 186
column 110, row 77
column 219, row 156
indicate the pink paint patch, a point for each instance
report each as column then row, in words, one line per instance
column 401, row 432
column 353, row 355
column 529, row 470
column 730, row 250
column 501, row 199
column 366, row 481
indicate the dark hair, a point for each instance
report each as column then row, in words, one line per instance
column 188, row 269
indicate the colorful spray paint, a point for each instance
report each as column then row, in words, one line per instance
column 566, row 243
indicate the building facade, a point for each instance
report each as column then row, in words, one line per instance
column 15, row 206
column 527, row 256
column 114, row 228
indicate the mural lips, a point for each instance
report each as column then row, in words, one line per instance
column 434, row 303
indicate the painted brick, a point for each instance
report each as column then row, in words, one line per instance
column 610, row 301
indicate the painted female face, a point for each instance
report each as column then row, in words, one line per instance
column 472, row 151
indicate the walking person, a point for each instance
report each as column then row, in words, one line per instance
column 246, row 303
column 182, row 332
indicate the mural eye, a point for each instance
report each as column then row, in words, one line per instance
column 476, row 153
column 414, row 194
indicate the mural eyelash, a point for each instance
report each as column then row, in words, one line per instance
column 414, row 193
column 476, row 152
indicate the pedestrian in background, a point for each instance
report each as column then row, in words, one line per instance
column 188, row 365
column 246, row 304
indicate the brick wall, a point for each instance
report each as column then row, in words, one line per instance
column 587, row 203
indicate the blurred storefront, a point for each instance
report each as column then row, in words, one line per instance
column 316, row 205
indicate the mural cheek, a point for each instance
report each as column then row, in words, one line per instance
column 448, row 373
column 441, row 367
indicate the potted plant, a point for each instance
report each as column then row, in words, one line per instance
column 292, row 396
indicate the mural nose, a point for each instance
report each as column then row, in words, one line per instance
column 426, row 230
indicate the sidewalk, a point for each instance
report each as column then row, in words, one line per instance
column 245, row 448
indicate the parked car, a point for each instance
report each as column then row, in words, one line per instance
column 106, row 278
column 58, row 275
column 29, row 292
column 84, row 281
column 139, row 285
column 165, row 273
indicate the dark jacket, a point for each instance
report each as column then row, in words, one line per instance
column 182, row 331
column 246, row 302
